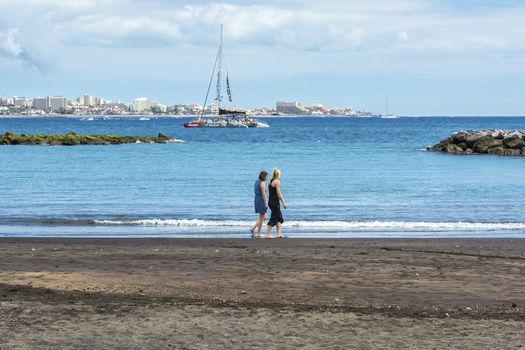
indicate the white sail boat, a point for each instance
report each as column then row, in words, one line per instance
column 387, row 115
column 227, row 117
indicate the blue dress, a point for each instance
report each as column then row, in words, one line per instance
column 260, row 206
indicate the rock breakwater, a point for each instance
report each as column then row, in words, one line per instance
column 498, row 142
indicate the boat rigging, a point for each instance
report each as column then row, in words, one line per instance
column 227, row 117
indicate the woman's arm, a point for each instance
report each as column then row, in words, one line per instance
column 263, row 191
column 279, row 194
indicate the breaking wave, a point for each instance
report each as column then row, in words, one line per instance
column 334, row 225
column 394, row 226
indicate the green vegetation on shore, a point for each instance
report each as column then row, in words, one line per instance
column 72, row 139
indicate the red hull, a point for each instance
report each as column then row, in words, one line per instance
column 194, row 124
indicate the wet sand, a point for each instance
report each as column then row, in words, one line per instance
column 266, row 294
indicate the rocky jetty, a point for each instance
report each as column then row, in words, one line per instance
column 72, row 139
column 499, row 142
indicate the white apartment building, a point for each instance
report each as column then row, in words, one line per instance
column 87, row 100
column 56, row 103
column 19, row 101
column 40, row 103
column 286, row 107
column 141, row 104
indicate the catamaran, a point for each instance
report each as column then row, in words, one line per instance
column 227, row 117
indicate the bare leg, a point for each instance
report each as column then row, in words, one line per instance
column 269, row 231
column 260, row 225
column 279, row 230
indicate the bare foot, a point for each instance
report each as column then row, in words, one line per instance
column 259, row 236
column 269, row 237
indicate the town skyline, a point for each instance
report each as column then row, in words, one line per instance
column 92, row 105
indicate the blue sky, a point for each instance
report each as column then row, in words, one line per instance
column 431, row 57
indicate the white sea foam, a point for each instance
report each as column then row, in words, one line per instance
column 393, row 226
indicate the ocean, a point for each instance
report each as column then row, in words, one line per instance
column 341, row 177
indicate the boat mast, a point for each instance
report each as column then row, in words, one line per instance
column 218, row 61
column 219, row 72
column 386, row 106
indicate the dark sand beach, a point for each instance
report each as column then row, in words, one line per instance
column 262, row 294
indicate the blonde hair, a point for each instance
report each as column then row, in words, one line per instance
column 276, row 174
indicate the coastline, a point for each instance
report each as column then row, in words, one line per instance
column 266, row 116
column 308, row 291
column 178, row 116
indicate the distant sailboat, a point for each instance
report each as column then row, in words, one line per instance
column 387, row 115
column 227, row 118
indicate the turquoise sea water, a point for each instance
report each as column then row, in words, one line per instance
column 341, row 177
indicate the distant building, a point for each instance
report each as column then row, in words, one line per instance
column 187, row 108
column 290, row 107
column 21, row 101
column 349, row 111
column 87, row 100
column 141, row 104
column 56, row 103
column 40, row 103
column 102, row 102
column 317, row 109
column 158, row 107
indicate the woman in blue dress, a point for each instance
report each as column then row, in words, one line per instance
column 261, row 204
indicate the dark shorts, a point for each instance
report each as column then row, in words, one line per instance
column 276, row 216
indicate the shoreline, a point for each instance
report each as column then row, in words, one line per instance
column 378, row 286
column 160, row 116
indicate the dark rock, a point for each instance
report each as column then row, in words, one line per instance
column 454, row 149
column 483, row 144
column 458, row 137
column 470, row 141
column 514, row 143
column 502, row 151
column 499, row 142
column 513, row 152
column 440, row 147
column 497, row 150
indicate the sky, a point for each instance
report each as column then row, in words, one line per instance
column 429, row 57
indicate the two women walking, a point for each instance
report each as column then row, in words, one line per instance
column 273, row 201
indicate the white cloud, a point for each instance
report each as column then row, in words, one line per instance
column 402, row 35
column 295, row 24
column 140, row 31
column 368, row 29
column 8, row 44
column 11, row 48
